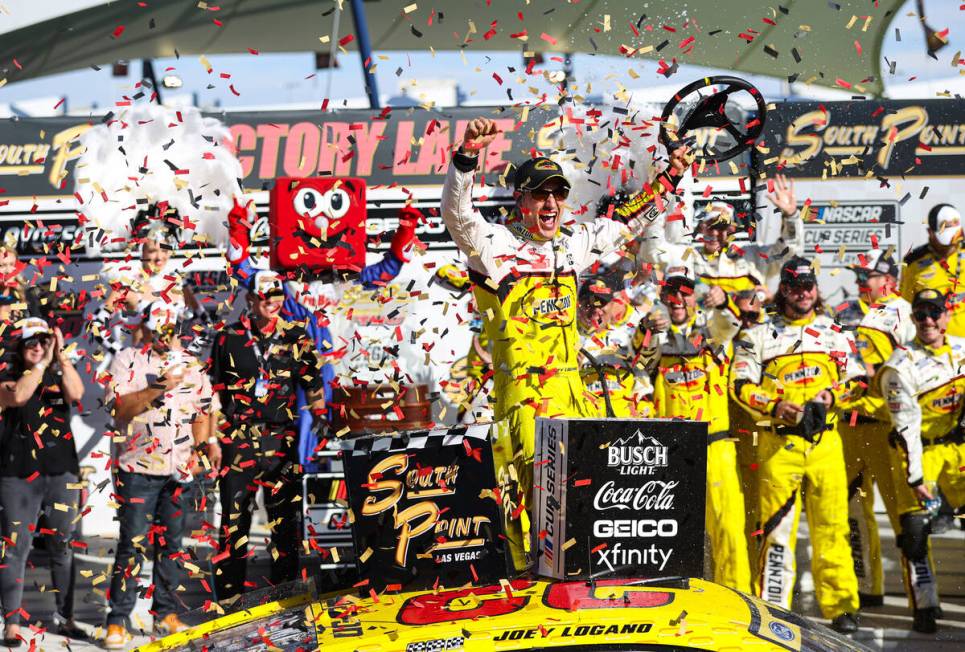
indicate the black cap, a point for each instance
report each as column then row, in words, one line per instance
column 798, row 270
column 533, row 173
column 931, row 297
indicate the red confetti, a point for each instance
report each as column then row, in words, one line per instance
column 345, row 40
column 582, row 483
column 549, row 39
column 118, row 31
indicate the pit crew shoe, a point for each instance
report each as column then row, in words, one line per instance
column 845, row 623
column 168, row 625
column 925, row 621
column 117, row 638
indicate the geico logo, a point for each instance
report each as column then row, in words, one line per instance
column 802, row 374
column 377, row 225
column 850, row 213
column 643, row 528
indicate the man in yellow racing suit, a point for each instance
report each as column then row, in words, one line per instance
column 719, row 262
column 885, row 325
column 795, row 371
column 525, row 275
column 924, row 386
column 608, row 322
column 940, row 264
column 691, row 357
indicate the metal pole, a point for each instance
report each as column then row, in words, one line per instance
column 147, row 72
column 365, row 51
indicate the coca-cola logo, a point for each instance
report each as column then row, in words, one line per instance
column 654, row 495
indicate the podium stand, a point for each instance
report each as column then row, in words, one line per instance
column 619, row 498
column 426, row 510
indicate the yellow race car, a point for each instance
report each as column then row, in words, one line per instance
column 522, row 614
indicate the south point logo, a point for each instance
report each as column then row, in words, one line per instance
column 637, row 454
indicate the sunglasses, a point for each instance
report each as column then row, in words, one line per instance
column 803, row 286
column 751, row 316
column 933, row 312
column 36, row 340
column 541, row 194
column 677, row 287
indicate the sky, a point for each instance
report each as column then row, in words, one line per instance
column 265, row 79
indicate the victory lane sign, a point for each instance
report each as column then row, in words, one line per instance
column 425, row 510
column 620, row 498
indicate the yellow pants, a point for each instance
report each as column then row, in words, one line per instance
column 870, row 461
column 747, row 433
column 560, row 396
column 790, row 466
column 725, row 517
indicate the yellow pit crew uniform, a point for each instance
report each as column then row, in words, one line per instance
column 526, row 291
column 868, row 457
column 794, row 360
column 690, row 382
column 925, row 391
column 923, row 268
column 627, row 379
column 742, row 266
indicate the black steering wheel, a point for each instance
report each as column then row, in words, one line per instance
column 708, row 112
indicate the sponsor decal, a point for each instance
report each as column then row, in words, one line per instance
column 572, row 631
column 637, row 454
column 781, row 631
column 424, row 509
column 774, row 573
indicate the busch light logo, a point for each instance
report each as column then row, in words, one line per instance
column 637, row 454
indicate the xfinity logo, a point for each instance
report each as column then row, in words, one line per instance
column 637, row 454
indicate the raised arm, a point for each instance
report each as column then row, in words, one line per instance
column 791, row 241
column 469, row 230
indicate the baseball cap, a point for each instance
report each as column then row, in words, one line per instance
column 32, row 327
column 930, row 297
column 678, row 272
column 533, row 173
column 876, row 262
column 267, row 283
column 798, row 270
column 945, row 222
column 161, row 313
column 716, row 212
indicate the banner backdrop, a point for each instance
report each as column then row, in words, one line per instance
column 620, row 498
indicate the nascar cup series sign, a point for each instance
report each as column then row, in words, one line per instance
column 620, row 498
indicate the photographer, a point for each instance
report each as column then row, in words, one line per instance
column 162, row 401
column 38, row 471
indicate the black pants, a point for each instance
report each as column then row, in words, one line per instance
column 23, row 502
column 278, row 477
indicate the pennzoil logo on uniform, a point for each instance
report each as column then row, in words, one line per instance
column 949, row 402
column 551, row 303
column 546, row 164
column 802, row 375
column 689, row 377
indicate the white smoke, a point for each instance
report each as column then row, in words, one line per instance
column 151, row 153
